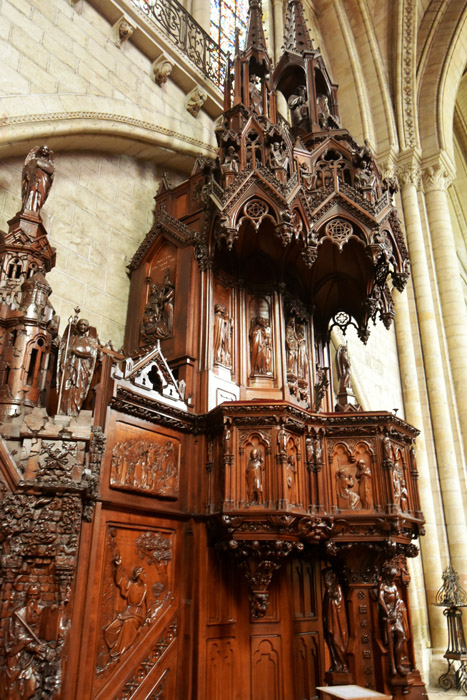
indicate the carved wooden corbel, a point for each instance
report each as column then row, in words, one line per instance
column 259, row 560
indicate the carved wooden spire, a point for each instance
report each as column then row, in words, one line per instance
column 255, row 41
column 296, row 37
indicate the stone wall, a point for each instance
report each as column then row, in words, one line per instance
column 99, row 210
column 66, row 83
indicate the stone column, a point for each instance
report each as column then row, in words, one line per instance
column 450, row 487
column 427, row 579
column 278, row 18
column 201, row 12
column 451, row 294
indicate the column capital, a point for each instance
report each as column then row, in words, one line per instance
column 436, row 177
column 408, row 167
column 409, row 173
column 438, row 171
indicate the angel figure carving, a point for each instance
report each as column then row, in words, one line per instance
column 37, row 178
column 78, row 353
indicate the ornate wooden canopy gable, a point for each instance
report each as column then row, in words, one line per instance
column 306, row 183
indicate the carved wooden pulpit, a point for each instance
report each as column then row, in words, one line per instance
column 249, row 525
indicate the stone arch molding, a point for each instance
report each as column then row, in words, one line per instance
column 89, row 121
column 439, row 83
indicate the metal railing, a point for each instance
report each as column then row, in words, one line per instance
column 188, row 36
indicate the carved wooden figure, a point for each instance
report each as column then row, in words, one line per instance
column 38, row 175
column 79, row 351
column 395, row 622
column 254, row 477
column 335, row 621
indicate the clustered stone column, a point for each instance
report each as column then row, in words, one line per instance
column 436, row 382
column 436, row 181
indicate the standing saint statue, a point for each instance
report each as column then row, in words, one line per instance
column 346, row 400
column 261, row 346
column 254, row 477
column 335, row 622
column 292, row 347
column 297, row 104
column 363, row 476
column 302, row 358
column 222, row 336
column 37, row 178
column 343, row 368
column 78, row 353
column 394, row 617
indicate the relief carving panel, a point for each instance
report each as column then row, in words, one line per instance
column 353, row 468
column 137, row 586
column 146, row 462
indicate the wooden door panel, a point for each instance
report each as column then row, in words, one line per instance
column 266, row 668
column 306, row 665
column 222, row 669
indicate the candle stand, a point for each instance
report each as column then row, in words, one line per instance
column 453, row 598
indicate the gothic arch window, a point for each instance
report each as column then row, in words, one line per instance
column 227, row 18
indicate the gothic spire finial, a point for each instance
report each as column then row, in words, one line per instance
column 296, row 37
column 255, row 35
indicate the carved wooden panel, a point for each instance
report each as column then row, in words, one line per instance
column 266, row 671
column 306, row 664
column 302, row 584
column 145, row 461
column 164, row 259
column 221, row 668
column 353, row 475
column 222, row 587
column 137, row 588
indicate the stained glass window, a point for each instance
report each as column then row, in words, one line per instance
column 228, row 16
